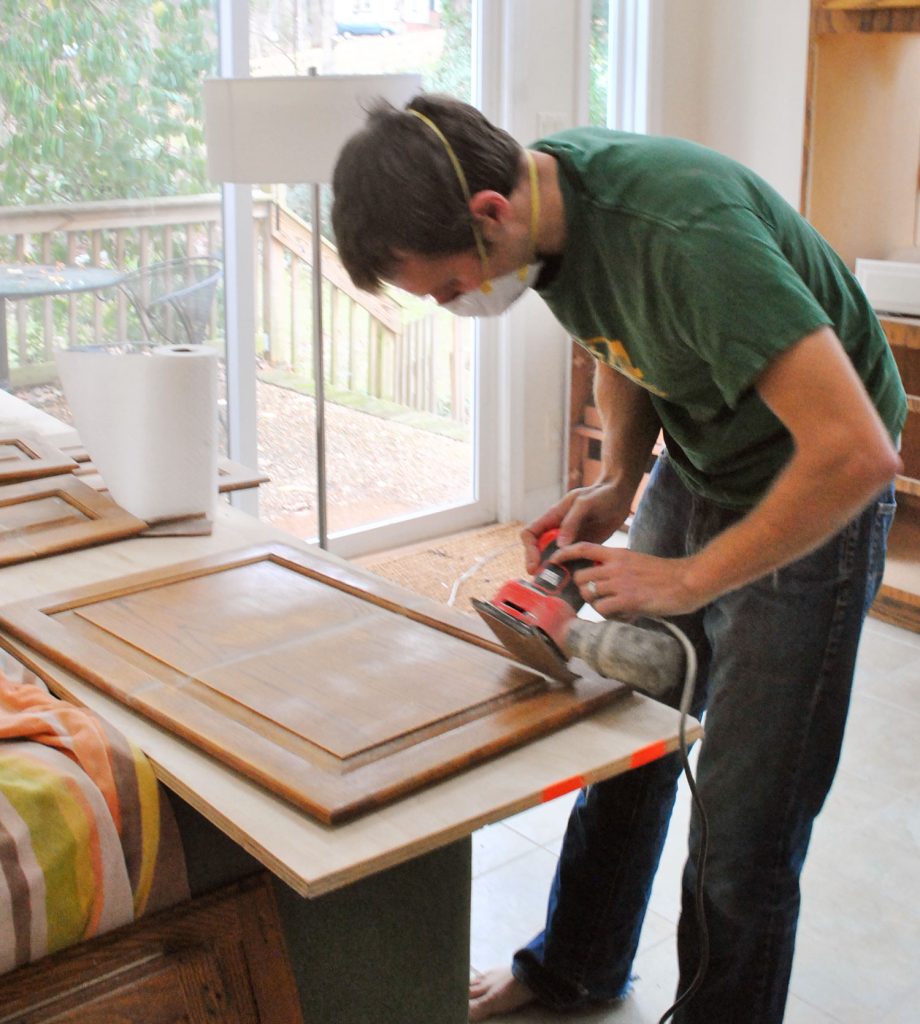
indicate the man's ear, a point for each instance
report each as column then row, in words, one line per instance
column 491, row 209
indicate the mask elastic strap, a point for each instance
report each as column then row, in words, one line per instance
column 464, row 187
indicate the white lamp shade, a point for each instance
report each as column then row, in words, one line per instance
column 291, row 129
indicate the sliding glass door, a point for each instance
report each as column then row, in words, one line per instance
column 400, row 393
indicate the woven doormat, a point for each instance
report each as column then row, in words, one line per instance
column 455, row 569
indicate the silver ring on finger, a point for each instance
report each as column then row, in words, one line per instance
column 592, row 590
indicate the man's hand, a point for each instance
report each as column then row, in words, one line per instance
column 628, row 583
column 588, row 513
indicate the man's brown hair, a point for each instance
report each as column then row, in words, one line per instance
column 396, row 188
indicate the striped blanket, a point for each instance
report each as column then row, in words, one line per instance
column 87, row 837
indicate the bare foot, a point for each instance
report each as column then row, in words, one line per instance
column 497, row 991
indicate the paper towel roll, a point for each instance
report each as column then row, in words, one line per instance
column 149, row 423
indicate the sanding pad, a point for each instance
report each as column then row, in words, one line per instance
column 529, row 644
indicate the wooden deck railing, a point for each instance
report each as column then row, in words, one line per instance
column 375, row 346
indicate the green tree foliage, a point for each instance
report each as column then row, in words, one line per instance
column 453, row 73
column 101, row 99
column 600, row 72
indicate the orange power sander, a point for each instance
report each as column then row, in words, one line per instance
column 523, row 612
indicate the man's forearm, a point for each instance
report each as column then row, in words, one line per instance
column 630, row 426
column 805, row 506
column 843, row 458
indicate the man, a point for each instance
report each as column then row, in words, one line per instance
column 718, row 315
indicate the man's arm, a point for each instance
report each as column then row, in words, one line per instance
column 593, row 513
column 843, row 457
column 631, row 428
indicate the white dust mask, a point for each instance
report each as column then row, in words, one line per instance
column 504, row 291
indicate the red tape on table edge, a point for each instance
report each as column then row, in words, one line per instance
column 563, row 787
column 648, row 754
column 644, row 756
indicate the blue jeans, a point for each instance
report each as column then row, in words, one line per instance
column 776, row 662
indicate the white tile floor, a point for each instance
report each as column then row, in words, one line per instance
column 857, row 958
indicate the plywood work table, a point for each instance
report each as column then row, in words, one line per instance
column 392, row 848
column 310, row 857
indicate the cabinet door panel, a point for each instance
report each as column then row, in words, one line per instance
column 329, row 686
column 58, row 513
column 26, row 458
column 218, row 958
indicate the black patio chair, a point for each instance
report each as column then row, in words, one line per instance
column 173, row 300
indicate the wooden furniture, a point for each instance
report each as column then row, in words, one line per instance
column 898, row 601
column 218, row 958
column 583, row 463
column 319, row 683
column 231, row 476
column 860, row 190
column 18, row 418
column 24, row 458
column 58, row 513
column 296, row 848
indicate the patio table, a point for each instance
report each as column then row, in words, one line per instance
column 32, row 280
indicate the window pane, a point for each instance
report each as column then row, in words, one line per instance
column 104, row 166
column 398, row 370
column 600, row 71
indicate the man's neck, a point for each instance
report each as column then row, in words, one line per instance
column 551, row 228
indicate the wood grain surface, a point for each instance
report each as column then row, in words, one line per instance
column 25, row 458
column 55, row 514
column 231, row 476
column 218, row 958
column 323, row 687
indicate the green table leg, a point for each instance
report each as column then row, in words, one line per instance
column 389, row 949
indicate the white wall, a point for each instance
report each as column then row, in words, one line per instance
column 731, row 75
column 534, row 82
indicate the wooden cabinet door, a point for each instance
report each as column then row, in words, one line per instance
column 24, row 458
column 55, row 514
column 329, row 686
column 219, row 958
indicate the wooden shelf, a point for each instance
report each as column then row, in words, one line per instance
column 904, row 337
column 585, row 433
column 859, row 189
column 866, row 5
column 583, row 460
column 899, row 599
column 866, row 16
column 859, row 186
column 583, row 430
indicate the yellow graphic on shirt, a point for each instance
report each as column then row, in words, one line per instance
column 615, row 355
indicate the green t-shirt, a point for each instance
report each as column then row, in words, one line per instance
column 688, row 273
